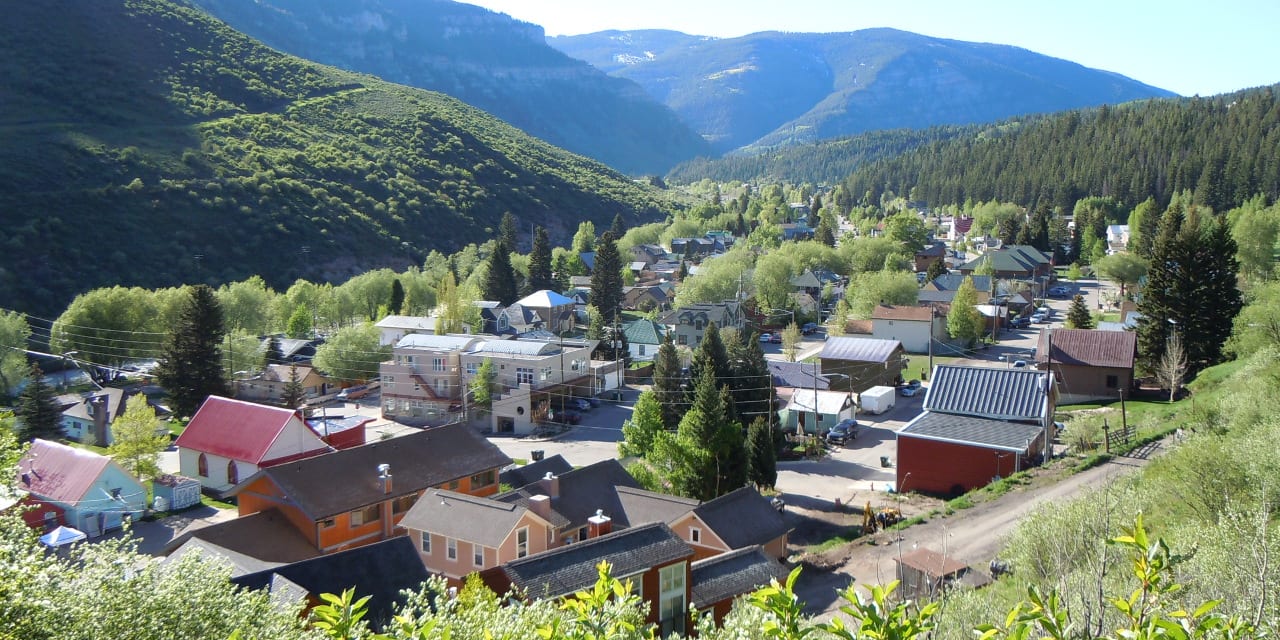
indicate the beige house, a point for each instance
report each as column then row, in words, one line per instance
column 457, row 534
column 423, row 379
column 689, row 323
column 914, row 327
column 529, row 375
column 393, row 328
column 268, row 386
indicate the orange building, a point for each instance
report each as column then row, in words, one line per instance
column 358, row 496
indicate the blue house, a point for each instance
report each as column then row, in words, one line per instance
column 94, row 493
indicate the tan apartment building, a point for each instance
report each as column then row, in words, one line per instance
column 423, row 379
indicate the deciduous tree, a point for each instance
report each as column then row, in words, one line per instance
column 352, row 354
column 14, row 333
column 137, row 438
column 640, row 430
column 1123, row 269
column 963, row 320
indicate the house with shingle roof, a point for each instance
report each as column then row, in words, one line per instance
column 719, row 580
column 652, row 557
column 229, row 440
column 978, row 423
column 519, row 476
column 554, row 310
column 358, row 496
column 1088, row 364
column 1015, row 261
column 644, row 336
column 689, row 323
column 83, row 489
column 89, row 419
column 269, row 386
column 736, row 520
column 857, row 364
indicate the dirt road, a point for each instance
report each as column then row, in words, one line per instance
column 973, row 536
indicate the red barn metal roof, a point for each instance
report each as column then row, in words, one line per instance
column 52, row 471
column 238, row 430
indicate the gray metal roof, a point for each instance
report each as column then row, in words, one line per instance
column 981, row 432
column 572, row 568
column 859, row 349
column 988, row 392
column 434, row 342
column 517, row 347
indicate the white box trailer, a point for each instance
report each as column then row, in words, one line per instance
column 877, row 400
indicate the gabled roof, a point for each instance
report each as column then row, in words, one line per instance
column 952, row 282
column 266, row 536
column 582, row 492
column 890, row 312
column 829, row 402
column 521, row 476
column 545, row 298
column 988, row 392
column 643, row 331
column 1088, row 347
column 281, row 372
column 380, row 571
column 57, row 472
column 970, row 430
column 463, row 517
column 742, row 518
column 732, row 574
column 859, row 349
column 116, row 400
column 934, row 250
column 240, row 563
column 643, row 506
column 572, row 568
column 345, row 480
column 806, row 280
column 240, row 430
column 932, row 563
column 798, row 375
column 412, row 323
column 431, row 342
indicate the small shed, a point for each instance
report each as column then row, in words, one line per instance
column 831, row 407
column 925, row 573
column 174, row 492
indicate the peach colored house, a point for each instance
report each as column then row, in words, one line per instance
column 736, row 520
column 457, row 534
column 359, row 495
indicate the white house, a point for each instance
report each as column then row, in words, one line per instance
column 393, row 328
column 831, row 407
column 912, row 326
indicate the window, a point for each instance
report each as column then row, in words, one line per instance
column 1113, row 382
column 522, row 542
column 233, row 472
column 403, row 503
column 437, row 364
column 472, row 368
column 360, row 517
column 482, row 479
column 545, row 374
column 578, row 365
column 426, row 542
column 671, row 589
column 391, row 405
column 524, row 375
column 388, row 380
column 326, row 523
column 442, row 386
column 453, row 484
column 682, row 340
column 695, row 535
column 202, row 466
column 451, row 548
column 477, row 555
column 582, row 534
column 640, row 349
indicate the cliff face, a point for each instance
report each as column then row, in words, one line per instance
column 485, row 59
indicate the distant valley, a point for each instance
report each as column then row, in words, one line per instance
column 771, row 88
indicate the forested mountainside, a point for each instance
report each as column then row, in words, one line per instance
column 483, row 58
column 1225, row 148
column 146, row 143
column 821, row 162
column 768, row 89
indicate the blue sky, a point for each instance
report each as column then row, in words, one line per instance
column 1189, row 47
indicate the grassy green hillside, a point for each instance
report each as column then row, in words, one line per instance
column 142, row 142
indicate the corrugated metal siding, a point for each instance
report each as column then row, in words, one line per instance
column 1013, row 436
column 1089, row 347
column 1005, row 394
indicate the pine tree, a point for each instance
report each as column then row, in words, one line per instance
column 606, row 277
column 936, row 268
column 38, row 409
column 396, row 303
column 825, row 235
column 711, row 354
column 190, row 368
column 540, row 262
column 293, row 394
column 1078, row 317
column 761, row 455
column 618, row 227
column 500, row 281
column 507, row 232
column 751, row 381
column 560, row 274
column 272, row 353
column 667, row 383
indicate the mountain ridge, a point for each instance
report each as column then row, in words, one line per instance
column 772, row 88
column 486, row 59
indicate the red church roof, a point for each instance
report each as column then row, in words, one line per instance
column 240, row 430
column 53, row 471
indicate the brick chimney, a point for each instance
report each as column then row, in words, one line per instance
column 384, row 476
column 550, row 485
column 100, row 409
column 541, row 505
column 599, row 524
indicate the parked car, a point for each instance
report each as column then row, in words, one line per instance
column 1059, row 292
column 1018, row 322
column 809, row 328
column 910, row 389
column 1018, row 364
column 765, row 337
column 775, row 338
column 844, row 431
column 580, row 404
column 566, row 416
column 1038, row 318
